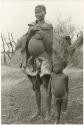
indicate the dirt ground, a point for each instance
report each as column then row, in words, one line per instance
column 18, row 100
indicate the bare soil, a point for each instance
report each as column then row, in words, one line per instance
column 18, row 100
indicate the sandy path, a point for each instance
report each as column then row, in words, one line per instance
column 14, row 86
column 18, row 101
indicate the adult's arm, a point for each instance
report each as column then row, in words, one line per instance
column 47, row 36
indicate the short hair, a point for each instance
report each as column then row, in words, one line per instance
column 41, row 7
column 59, row 66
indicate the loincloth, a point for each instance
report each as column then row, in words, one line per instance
column 39, row 66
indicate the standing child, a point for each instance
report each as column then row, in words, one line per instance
column 59, row 89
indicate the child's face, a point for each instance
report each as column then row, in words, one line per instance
column 40, row 14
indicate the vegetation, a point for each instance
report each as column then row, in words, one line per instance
column 71, row 52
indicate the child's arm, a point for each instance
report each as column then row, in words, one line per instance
column 66, row 83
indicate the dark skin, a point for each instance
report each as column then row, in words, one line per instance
column 59, row 83
column 37, row 81
column 43, row 80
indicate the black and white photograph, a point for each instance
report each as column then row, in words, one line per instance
column 41, row 61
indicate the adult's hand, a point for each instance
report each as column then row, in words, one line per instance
column 33, row 29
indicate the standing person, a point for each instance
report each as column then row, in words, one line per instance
column 39, row 56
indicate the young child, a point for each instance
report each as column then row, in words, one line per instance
column 59, row 89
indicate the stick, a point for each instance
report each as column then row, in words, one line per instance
column 3, row 49
column 6, row 42
column 13, row 39
column 8, row 47
column 10, row 42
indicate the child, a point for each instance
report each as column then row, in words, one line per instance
column 59, row 89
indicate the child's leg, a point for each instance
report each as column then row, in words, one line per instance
column 58, row 103
column 64, row 107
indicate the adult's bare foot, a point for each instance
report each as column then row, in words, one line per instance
column 56, row 122
column 37, row 114
column 47, row 117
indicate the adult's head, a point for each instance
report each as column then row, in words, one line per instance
column 40, row 11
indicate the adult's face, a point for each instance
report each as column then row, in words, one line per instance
column 39, row 14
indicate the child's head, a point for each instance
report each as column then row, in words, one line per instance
column 59, row 66
column 40, row 12
column 67, row 39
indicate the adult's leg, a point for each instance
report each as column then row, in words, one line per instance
column 38, row 94
column 36, row 87
column 47, row 87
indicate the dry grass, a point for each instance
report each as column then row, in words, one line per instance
column 18, row 100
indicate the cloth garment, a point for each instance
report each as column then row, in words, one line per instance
column 39, row 66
